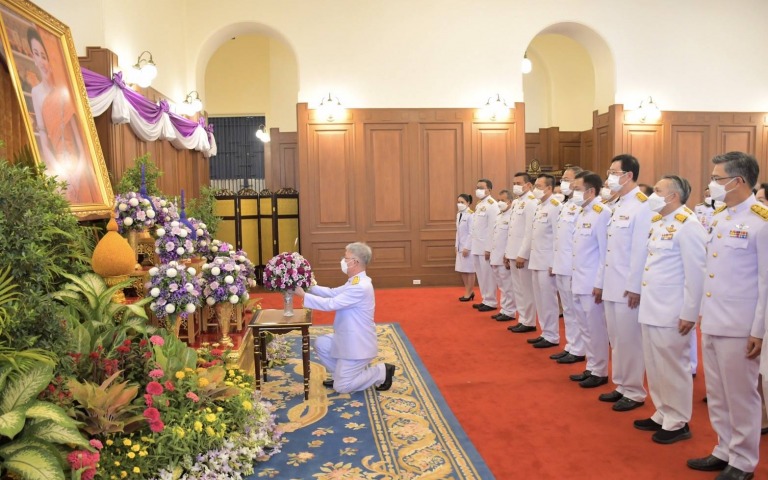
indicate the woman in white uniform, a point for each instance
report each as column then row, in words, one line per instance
column 464, row 264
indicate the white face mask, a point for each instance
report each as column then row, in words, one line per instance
column 718, row 191
column 480, row 193
column 538, row 193
column 517, row 190
column 461, row 206
column 565, row 187
column 503, row 206
column 613, row 182
column 559, row 197
column 606, row 193
column 578, row 198
column 656, row 203
column 344, row 266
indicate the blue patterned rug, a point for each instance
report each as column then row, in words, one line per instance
column 407, row 432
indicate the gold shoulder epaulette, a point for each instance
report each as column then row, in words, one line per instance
column 641, row 196
column 490, row 200
column 531, row 197
column 656, row 217
column 470, row 210
column 355, row 280
column 760, row 210
column 688, row 210
column 597, row 207
column 720, row 209
column 554, row 201
column 681, row 217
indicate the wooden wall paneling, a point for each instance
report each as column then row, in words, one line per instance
column 13, row 127
column 587, row 152
column 569, row 149
column 645, row 142
column 533, row 147
column 440, row 160
column 494, row 150
column 688, row 148
column 282, row 167
column 387, row 178
column 742, row 138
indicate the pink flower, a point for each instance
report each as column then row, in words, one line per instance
column 152, row 414
column 84, row 459
column 154, row 388
column 157, row 340
column 192, row 396
column 157, row 426
column 216, row 352
column 148, row 399
column 157, row 373
column 96, row 444
column 169, row 386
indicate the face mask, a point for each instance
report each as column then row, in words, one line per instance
column 565, row 187
column 559, row 196
column 480, row 193
column 344, row 266
column 461, row 206
column 538, row 193
column 503, row 206
column 578, row 198
column 656, row 203
column 517, row 190
column 613, row 182
column 718, row 191
column 606, row 193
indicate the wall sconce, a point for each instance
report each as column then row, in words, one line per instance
column 330, row 108
column 192, row 103
column 526, row 66
column 495, row 108
column 648, row 111
column 145, row 70
column 262, row 134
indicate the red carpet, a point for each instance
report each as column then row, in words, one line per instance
column 522, row 413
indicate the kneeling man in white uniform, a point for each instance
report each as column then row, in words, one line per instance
column 349, row 350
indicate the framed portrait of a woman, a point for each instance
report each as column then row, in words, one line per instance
column 45, row 72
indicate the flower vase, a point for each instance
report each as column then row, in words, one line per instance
column 287, row 304
column 174, row 324
column 133, row 241
column 224, row 316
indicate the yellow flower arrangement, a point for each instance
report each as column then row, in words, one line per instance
column 198, row 427
column 248, row 406
column 180, row 375
column 136, row 470
column 127, row 442
column 202, row 382
column 136, row 447
column 210, row 418
column 210, row 431
column 131, row 455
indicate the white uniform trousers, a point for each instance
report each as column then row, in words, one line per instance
column 667, row 364
column 732, row 400
column 694, row 350
column 547, row 307
column 504, row 281
column 591, row 318
column 574, row 339
column 485, row 280
column 522, row 282
column 625, row 336
column 348, row 375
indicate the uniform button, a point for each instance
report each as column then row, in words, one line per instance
column 646, row 269
column 644, row 284
column 609, row 250
column 728, row 217
column 606, row 264
column 709, row 294
column 714, row 254
column 650, row 253
column 719, row 235
column 711, row 275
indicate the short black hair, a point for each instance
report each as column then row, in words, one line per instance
column 628, row 164
column 466, row 197
column 646, row 189
column 739, row 164
column 488, row 183
column 763, row 186
column 681, row 185
column 524, row 175
column 592, row 180
column 549, row 179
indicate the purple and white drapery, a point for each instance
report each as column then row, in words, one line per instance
column 148, row 120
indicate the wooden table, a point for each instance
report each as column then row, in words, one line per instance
column 272, row 320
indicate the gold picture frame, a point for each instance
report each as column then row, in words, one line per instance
column 45, row 72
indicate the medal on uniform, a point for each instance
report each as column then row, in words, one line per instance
column 671, row 229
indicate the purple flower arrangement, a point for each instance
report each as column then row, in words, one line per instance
column 203, row 241
column 174, row 242
column 166, row 210
column 223, row 281
column 286, row 272
column 134, row 212
column 247, row 268
column 219, row 249
column 174, row 289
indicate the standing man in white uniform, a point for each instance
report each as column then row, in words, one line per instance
column 562, row 268
column 481, row 232
column 672, row 285
column 733, row 316
column 352, row 346
column 589, row 249
column 501, row 272
column 521, row 222
column 624, row 262
column 540, row 241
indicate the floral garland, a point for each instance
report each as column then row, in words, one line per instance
column 287, row 271
column 174, row 242
column 223, row 282
column 133, row 212
column 175, row 290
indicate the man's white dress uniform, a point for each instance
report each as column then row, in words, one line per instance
column 349, row 350
column 538, row 248
column 501, row 273
column 671, row 291
column 481, row 232
column 521, row 221
column 589, row 249
column 624, row 262
column 733, row 309
column 562, row 267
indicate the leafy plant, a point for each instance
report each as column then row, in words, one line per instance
column 106, row 408
column 204, row 209
column 7, row 294
column 174, row 355
column 131, row 179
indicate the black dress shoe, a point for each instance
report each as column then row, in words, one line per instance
column 593, row 381
column 647, row 425
column 328, row 383
column 626, row 404
column 580, row 376
column 496, row 315
column 534, row 340
column 503, row 317
column 390, row 373
column 467, row 299
column 671, row 436
column 485, row 308
column 520, row 328
column 558, row 355
column 544, row 343
column 707, row 464
column 612, row 397
column 733, row 473
column 568, row 359
column 476, row 305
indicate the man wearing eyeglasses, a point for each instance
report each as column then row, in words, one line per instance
column 733, row 310
column 352, row 346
